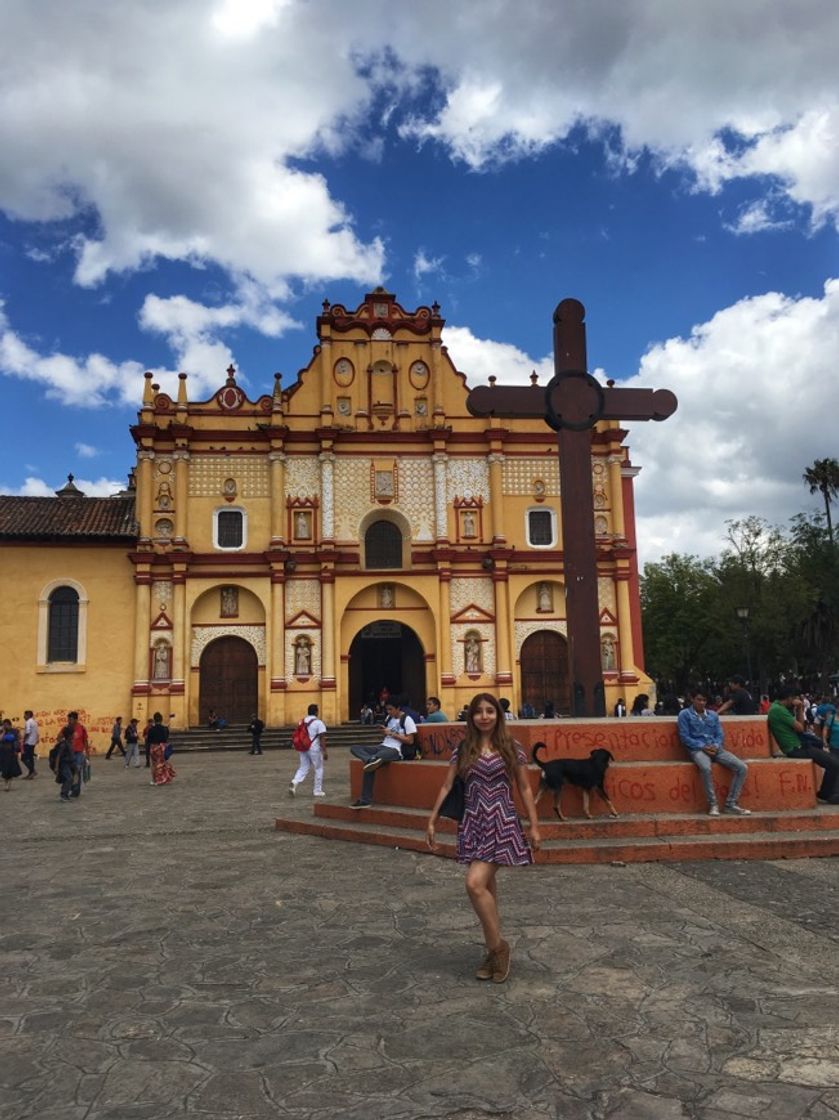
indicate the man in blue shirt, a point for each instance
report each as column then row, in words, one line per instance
column 701, row 732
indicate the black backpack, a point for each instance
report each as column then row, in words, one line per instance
column 409, row 750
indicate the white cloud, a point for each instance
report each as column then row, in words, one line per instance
column 90, row 381
column 757, row 217
column 36, row 487
column 480, row 358
column 86, row 451
column 423, row 265
column 194, row 153
column 754, row 383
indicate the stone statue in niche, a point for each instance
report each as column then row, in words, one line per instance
column 302, row 525
column 303, row 657
column 472, row 653
column 229, row 602
column 386, row 597
column 469, row 523
column 160, row 662
column 384, row 484
column 164, row 496
column 544, row 598
column 607, row 652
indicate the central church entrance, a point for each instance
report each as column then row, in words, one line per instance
column 228, row 681
column 386, row 655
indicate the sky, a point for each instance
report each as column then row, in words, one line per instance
column 184, row 181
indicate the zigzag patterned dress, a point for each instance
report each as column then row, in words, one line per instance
column 490, row 829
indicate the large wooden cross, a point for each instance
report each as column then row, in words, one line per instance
column 571, row 404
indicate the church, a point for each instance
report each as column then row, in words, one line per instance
column 353, row 531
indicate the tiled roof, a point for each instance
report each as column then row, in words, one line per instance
column 57, row 518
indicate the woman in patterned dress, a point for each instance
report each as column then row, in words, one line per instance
column 490, row 834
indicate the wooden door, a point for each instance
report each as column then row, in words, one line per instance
column 544, row 671
column 229, row 680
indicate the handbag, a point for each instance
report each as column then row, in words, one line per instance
column 168, row 751
column 454, row 803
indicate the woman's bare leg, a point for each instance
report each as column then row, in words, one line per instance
column 481, row 888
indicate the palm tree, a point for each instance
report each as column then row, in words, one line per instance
column 824, row 477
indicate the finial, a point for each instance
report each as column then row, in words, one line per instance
column 435, row 308
column 182, row 398
column 148, row 396
column 326, row 305
column 492, row 379
column 231, row 374
column 610, row 383
column 534, row 378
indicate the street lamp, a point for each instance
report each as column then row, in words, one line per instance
column 743, row 614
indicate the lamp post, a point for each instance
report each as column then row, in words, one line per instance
column 743, row 614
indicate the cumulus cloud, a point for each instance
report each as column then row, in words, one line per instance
column 753, row 385
column 35, row 487
column 86, row 451
column 423, row 264
column 180, row 132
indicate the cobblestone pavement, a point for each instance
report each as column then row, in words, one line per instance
column 166, row 953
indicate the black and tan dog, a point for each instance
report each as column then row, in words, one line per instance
column 587, row 773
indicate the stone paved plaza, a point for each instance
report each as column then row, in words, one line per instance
column 166, row 953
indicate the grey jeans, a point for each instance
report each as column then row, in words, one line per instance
column 367, row 754
column 731, row 762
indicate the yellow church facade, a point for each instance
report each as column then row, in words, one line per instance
column 355, row 531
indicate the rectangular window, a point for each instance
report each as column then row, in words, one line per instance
column 230, row 529
column 540, row 528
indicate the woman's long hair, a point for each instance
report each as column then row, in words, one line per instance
column 501, row 739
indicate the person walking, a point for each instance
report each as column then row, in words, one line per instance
column 314, row 757
column 62, row 762
column 9, row 751
column 116, row 739
column 490, row 835
column 162, row 772
column 132, row 743
column 76, row 732
column 31, row 738
column 255, row 729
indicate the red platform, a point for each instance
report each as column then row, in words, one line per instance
column 653, row 784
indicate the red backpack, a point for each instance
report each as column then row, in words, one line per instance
column 300, row 739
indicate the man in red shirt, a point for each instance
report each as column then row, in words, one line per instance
column 76, row 733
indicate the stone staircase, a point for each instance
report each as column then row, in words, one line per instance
column 655, row 788
column 273, row 738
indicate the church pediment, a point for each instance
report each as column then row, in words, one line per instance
column 607, row 618
column 162, row 622
column 302, row 621
column 473, row 613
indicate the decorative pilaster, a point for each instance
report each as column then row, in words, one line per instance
column 444, row 645
column 179, row 637
column 327, row 492
column 627, row 650
column 181, row 479
column 616, row 493
column 145, row 491
column 277, row 461
column 440, row 505
column 142, row 620
column 503, row 648
column 496, row 464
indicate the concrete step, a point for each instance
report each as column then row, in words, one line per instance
column 273, row 738
column 742, row 846
column 824, row 818
column 778, row 785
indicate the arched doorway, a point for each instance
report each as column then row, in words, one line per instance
column 544, row 671
column 228, row 680
column 386, row 654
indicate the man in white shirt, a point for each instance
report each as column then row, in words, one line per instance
column 400, row 732
column 314, row 757
column 31, row 737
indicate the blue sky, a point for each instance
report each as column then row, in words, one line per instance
column 183, row 184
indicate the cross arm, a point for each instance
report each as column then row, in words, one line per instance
column 528, row 401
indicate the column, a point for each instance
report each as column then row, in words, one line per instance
column 440, row 503
column 181, row 492
column 276, row 651
column 327, row 495
column 277, row 461
column 180, row 638
column 327, row 630
column 142, row 620
column 496, row 498
column 145, row 491
column 444, row 630
column 615, row 463
column 503, row 649
column 627, row 651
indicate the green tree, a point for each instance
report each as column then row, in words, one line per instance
column 823, row 476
